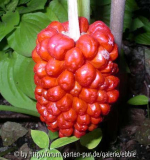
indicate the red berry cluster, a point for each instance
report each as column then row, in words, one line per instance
column 75, row 82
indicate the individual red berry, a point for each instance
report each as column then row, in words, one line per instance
column 37, row 80
column 94, row 110
column 113, row 82
column 46, row 34
column 41, row 99
column 114, row 53
column 57, row 26
column 53, row 125
column 105, row 85
column 96, row 121
column 81, row 128
column 98, row 26
column 35, row 56
column 66, row 80
column 70, row 115
column 84, row 24
column 65, row 103
column 48, row 82
column 38, row 90
column 42, row 50
column 50, row 118
column 92, row 127
column 101, row 59
column 66, row 132
column 53, row 109
column 74, row 59
column 63, row 124
column 39, row 69
column 88, row 45
column 80, row 106
column 88, row 95
column 105, row 108
column 105, row 39
column 54, row 67
column 56, row 93
column 98, row 81
column 102, row 96
column 76, row 89
column 84, row 119
column 78, row 134
column 85, row 75
column 112, row 96
column 58, row 45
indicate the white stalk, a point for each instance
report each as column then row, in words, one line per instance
column 74, row 31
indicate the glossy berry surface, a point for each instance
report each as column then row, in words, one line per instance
column 75, row 81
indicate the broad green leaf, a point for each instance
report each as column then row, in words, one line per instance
column 57, row 11
column 33, row 5
column 136, row 23
column 9, row 21
column 146, row 23
column 131, row 5
column 40, row 138
column 139, row 100
column 63, row 141
column 24, row 75
column 92, row 139
column 23, row 1
column 143, row 38
column 8, row 87
column 86, row 158
column 104, row 14
column 4, row 2
column 53, row 135
column 55, row 154
column 46, row 154
column 12, row 5
column 23, row 40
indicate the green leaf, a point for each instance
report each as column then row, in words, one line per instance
column 8, row 87
column 12, row 5
column 138, row 100
column 63, row 141
column 23, row 1
column 24, row 75
column 146, row 23
column 57, row 11
column 56, row 154
column 33, row 5
column 53, row 135
column 4, row 2
column 40, row 138
column 143, row 38
column 18, row 110
column 23, row 40
column 46, row 154
column 9, row 20
column 92, row 139
column 86, row 158
column 136, row 23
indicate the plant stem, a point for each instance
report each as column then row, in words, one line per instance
column 74, row 31
column 18, row 110
column 116, row 20
column 84, row 8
